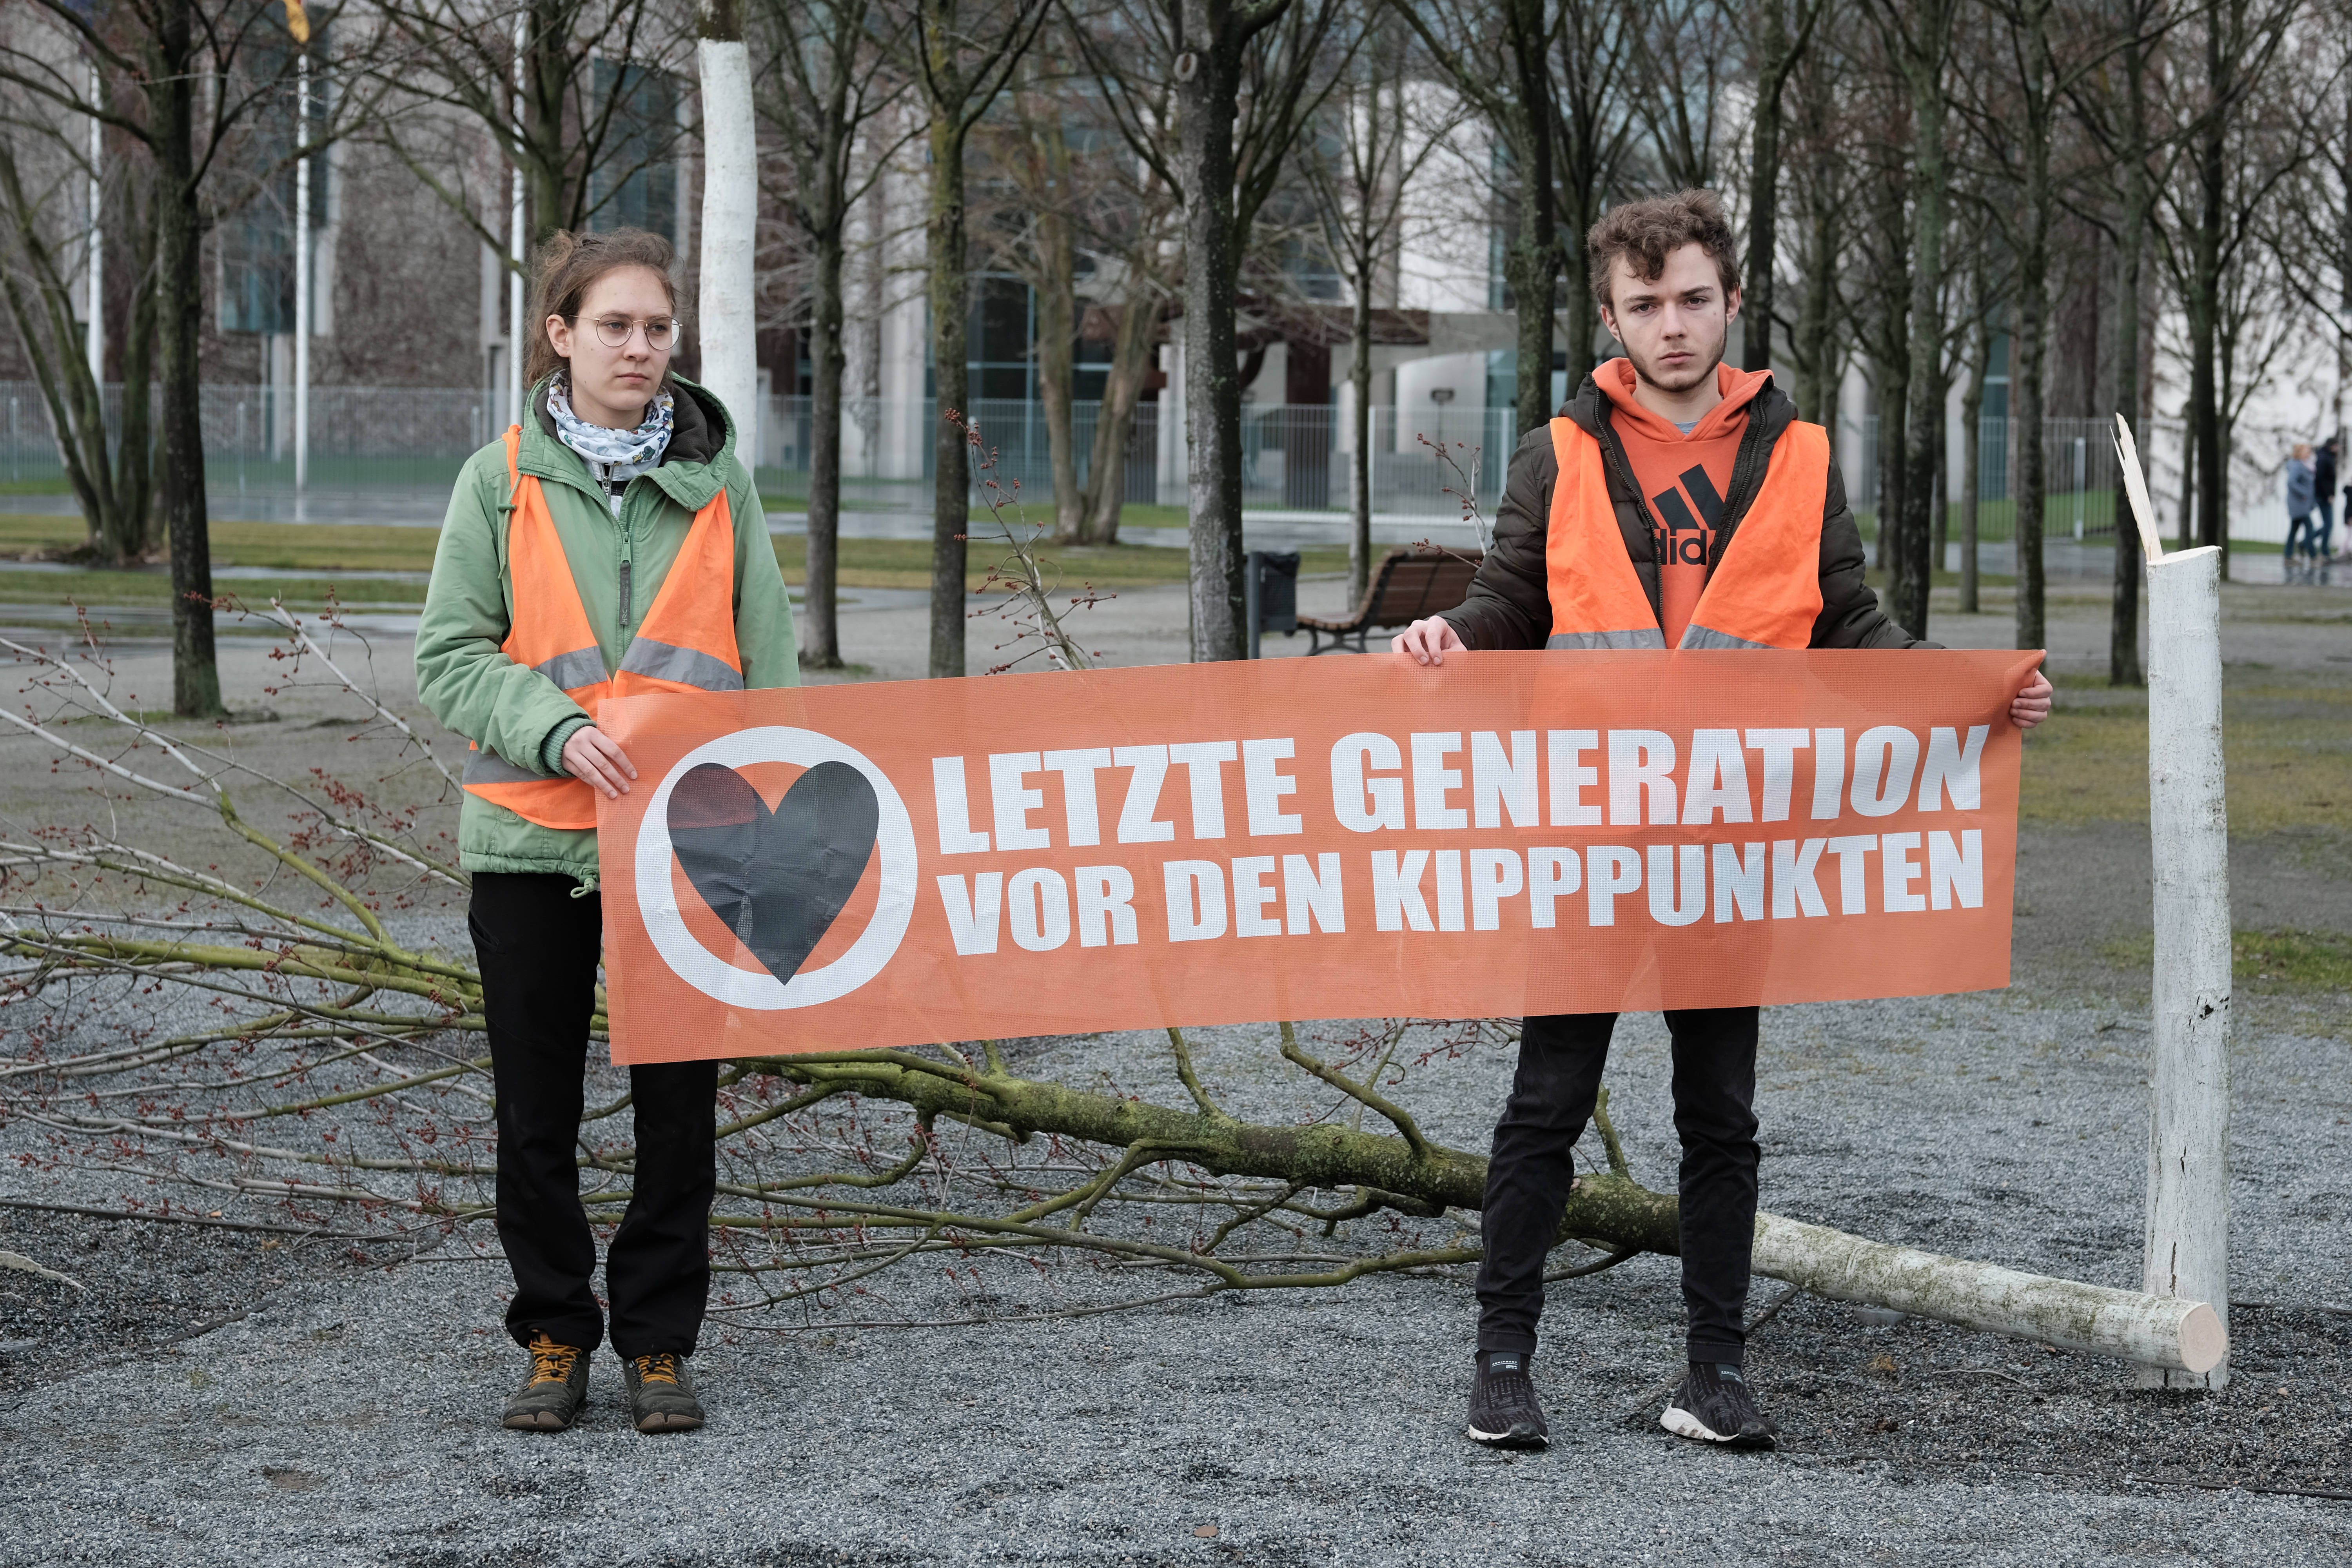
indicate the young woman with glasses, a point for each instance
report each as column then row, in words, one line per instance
column 611, row 543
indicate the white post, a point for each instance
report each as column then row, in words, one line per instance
column 302, row 278
column 94, row 327
column 729, row 210
column 2188, row 1236
column 516, row 343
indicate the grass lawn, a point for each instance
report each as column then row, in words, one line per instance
column 2265, row 961
column 2287, row 743
column 326, row 549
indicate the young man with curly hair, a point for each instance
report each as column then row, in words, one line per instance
column 1669, row 454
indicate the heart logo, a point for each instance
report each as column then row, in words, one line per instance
column 779, row 878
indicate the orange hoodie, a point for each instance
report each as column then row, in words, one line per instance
column 1685, row 477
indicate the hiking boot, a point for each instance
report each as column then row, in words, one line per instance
column 1504, row 1413
column 1714, row 1406
column 550, row 1397
column 661, row 1393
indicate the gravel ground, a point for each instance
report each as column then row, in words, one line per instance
column 348, row 1416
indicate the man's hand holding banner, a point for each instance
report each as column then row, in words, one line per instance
column 835, row 867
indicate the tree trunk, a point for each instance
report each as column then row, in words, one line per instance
column 1972, row 448
column 1764, row 184
column 2204, row 300
column 1909, row 570
column 1057, row 326
column 1894, row 403
column 1130, row 357
column 951, row 486
column 134, row 489
column 828, row 362
column 1532, row 265
column 552, row 200
column 1206, row 96
column 2187, row 530
column 1939, row 514
column 1608, row 1208
column 1816, row 325
column 1359, row 466
column 2122, row 624
column 180, row 295
column 2026, row 348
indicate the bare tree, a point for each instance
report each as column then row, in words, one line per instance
column 821, row 81
column 587, row 116
column 965, row 52
column 1782, row 30
column 1595, row 131
column 1375, row 136
column 1245, row 75
column 2111, row 104
column 1821, row 180
column 1131, row 226
column 1030, row 228
column 186, row 80
column 2214, row 213
column 1505, row 73
column 2309, row 228
column 42, row 163
column 1685, row 55
column 1917, row 37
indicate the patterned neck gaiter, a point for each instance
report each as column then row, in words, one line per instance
column 615, row 457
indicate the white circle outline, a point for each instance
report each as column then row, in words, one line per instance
column 714, row 976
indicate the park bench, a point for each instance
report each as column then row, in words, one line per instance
column 1407, row 585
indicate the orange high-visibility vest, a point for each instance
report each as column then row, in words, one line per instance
column 1766, row 591
column 686, row 642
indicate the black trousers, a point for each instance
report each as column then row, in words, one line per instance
column 1552, row 1096
column 538, row 946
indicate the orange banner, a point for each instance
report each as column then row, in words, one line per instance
column 838, row 866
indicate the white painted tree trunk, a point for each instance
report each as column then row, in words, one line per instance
column 2187, row 1238
column 2184, row 1337
column 730, row 203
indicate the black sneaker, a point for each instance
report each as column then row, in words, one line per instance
column 550, row 1397
column 1714, row 1406
column 1503, row 1409
column 661, row 1393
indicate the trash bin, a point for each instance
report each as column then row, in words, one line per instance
column 1272, row 602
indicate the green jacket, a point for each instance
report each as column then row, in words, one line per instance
column 511, row 710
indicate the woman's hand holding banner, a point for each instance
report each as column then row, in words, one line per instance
column 833, row 867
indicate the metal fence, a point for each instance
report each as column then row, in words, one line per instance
column 360, row 436
column 1295, row 457
column 2079, row 472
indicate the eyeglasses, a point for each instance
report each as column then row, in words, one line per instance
column 614, row 333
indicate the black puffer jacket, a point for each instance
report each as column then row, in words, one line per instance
column 1510, row 604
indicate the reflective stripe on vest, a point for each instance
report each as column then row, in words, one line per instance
column 1766, row 591
column 687, row 642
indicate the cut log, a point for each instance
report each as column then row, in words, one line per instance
column 2160, row 1331
column 1611, row 1211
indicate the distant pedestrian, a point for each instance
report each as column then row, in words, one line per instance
column 2302, row 495
column 2323, row 473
